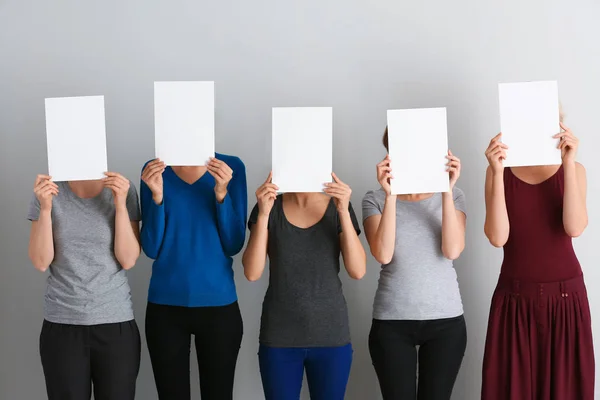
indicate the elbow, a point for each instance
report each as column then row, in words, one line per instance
column 39, row 263
column 252, row 274
column 495, row 239
column 575, row 232
column 382, row 257
column 453, row 253
column 128, row 264
column 358, row 275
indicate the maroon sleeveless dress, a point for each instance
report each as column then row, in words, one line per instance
column 539, row 340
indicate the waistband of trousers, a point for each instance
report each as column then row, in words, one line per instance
column 561, row 288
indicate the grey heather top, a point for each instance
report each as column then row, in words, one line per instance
column 86, row 284
column 419, row 283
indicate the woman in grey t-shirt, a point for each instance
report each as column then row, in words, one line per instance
column 87, row 234
column 304, row 322
column 415, row 237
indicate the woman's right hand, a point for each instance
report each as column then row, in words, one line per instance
column 384, row 174
column 266, row 195
column 44, row 190
column 496, row 154
column 152, row 176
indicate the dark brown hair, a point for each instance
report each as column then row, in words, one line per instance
column 384, row 140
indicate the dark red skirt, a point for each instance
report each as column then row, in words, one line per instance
column 539, row 342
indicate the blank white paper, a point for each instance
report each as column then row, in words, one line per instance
column 302, row 148
column 184, row 119
column 76, row 138
column 529, row 117
column 418, row 146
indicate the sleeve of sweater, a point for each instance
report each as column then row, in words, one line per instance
column 233, row 211
column 153, row 222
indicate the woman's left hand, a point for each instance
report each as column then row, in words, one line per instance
column 340, row 192
column 453, row 168
column 119, row 186
column 222, row 174
column 568, row 144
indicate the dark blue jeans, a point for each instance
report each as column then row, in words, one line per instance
column 327, row 371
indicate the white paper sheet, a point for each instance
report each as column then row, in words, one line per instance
column 418, row 146
column 184, row 118
column 529, row 117
column 302, row 148
column 76, row 138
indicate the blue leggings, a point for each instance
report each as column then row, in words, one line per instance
column 327, row 371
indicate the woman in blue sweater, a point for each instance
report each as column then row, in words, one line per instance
column 193, row 223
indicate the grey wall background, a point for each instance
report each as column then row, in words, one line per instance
column 359, row 57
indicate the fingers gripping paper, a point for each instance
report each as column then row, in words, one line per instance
column 418, row 145
column 76, row 138
column 529, row 117
column 184, row 118
column 302, row 148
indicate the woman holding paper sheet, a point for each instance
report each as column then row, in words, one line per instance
column 539, row 342
column 87, row 234
column 304, row 322
column 415, row 238
column 193, row 224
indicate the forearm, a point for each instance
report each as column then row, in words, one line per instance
column 127, row 245
column 255, row 256
column 231, row 223
column 41, row 242
column 453, row 229
column 575, row 218
column 353, row 253
column 496, row 217
column 385, row 237
column 153, row 222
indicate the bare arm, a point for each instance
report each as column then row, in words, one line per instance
column 127, row 247
column 353, row 253
column 127, row 239
column 453, row 228
column 380, row 231
column 255, row 255
column 496, row 226
column 575, row 218
column 41, row 243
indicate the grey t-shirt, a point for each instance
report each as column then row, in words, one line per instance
column 304, row 305
column 86, row 284
column 419, row 283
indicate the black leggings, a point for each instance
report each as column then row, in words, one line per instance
column 76, row 356
column 393, row 347
column 218, row 336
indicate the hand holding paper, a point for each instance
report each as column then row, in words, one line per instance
column 45, row 190
column 119, row 186
column 568, row 144
column 454, row 167
column 384, row 175
column 152, row 176
column 222, row 174
column 266, row 195
column 340, row 192
column 496, row 154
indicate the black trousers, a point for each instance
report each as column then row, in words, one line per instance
column 76, row 358
column 218, row 336
column 393, row 347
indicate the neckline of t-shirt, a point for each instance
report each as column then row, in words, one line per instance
column 287, row 221
column 88, row 199
column 422, row 201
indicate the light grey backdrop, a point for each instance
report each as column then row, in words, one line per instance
column 360, row 57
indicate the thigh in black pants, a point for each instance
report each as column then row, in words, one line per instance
column 76, row 358
column 218, row 336
column 393, row 348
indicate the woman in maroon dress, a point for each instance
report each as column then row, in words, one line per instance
column 539, row 341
